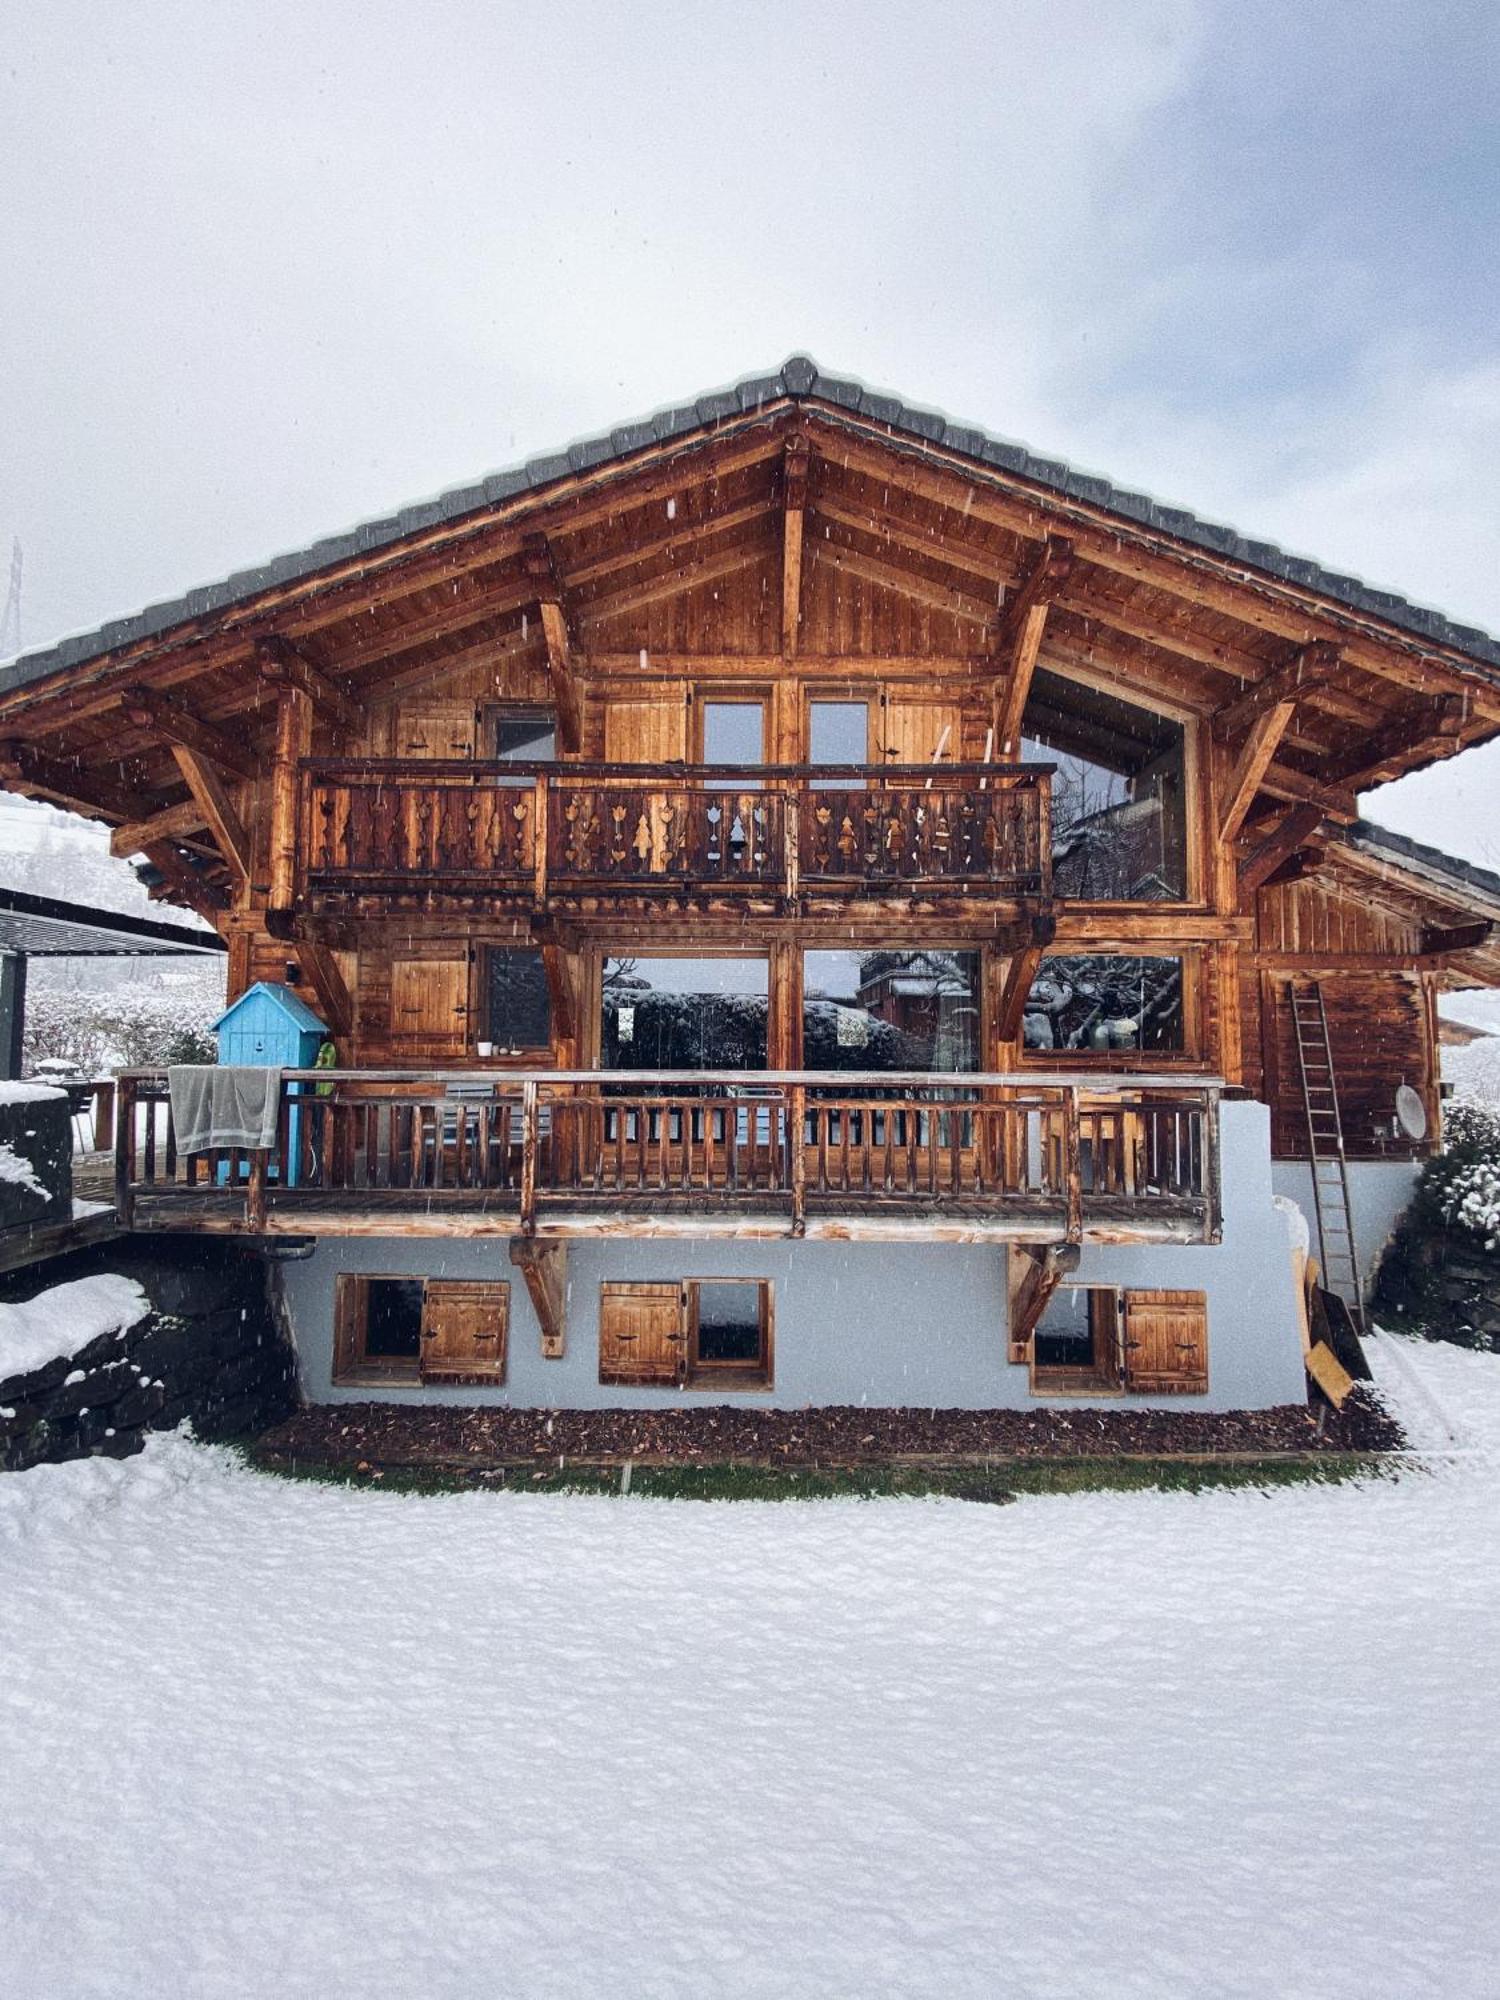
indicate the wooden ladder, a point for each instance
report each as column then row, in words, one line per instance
column 1325, row 1149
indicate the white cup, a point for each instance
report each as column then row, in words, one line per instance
column 485, row 1048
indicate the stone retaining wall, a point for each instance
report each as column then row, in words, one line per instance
column 209, row 1351
column 1441, row 1282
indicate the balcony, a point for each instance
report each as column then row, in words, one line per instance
column 387, row 833
column 558, row 1154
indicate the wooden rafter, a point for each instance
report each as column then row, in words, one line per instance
column 1298, row 827
column 62, row 782
column 171, row 823
column 1438, row 942
column 182, row 883
column 541, row 572
column 793, row 514
column 286, row 663
column 1332, row 800
column 1427, row 725
column 1250, row 767
column 1309, row 670
column 1018, row 639
column 220, row 815
column 170, row 718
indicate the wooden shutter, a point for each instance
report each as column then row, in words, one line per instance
column 642, row 1333
column 914, row 729
column 435, row 729
column 464, row 1328
column 1165, row 1343
column 647, row 732
column 430, row 1002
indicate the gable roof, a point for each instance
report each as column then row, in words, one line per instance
column 799, row 381
column 291, row 1004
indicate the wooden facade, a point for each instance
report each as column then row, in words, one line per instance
column 317, row 764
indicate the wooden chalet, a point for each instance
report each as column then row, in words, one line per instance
column 794, row 840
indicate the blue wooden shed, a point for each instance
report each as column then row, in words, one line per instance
column 271, row 1027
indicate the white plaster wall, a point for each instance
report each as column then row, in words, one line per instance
column 884, row 1324
column 1379, row 1191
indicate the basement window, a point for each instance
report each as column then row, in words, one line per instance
column 401, row 1332
column 1096, row 1340
column 693, row 1333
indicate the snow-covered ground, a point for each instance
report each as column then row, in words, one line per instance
column 264, row 1739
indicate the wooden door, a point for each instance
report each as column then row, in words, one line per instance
column 464, row 1327
column 913, row 731
column 430, row 1002
column 642, row 1333
column 435, row 729
column 1165, row 1342
column 650, row 731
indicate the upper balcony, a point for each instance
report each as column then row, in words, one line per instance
column 401, row 833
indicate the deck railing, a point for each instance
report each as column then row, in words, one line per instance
column 373, row 827
column 803, row 1146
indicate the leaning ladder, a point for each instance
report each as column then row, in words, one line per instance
column 1325, row 1148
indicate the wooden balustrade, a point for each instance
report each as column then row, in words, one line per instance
column 793, row 1145
column 543, row 831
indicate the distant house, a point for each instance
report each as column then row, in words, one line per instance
column 812, row 903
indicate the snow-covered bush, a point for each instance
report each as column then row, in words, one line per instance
column 1462, row 1185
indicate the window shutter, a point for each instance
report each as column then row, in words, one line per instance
column 464, row 1327
column 642, row 1333
column 430, row 1001
column 436, row 729
column 914, row 729
column 647, row 732
column 1166, row 1343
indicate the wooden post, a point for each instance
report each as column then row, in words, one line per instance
column 544, row 1266
column 796, row 1136
column 104, row 1115
column 539, row 841
column 255, row 1191
column 1073, row 1164
column 1213, row 1202
column 530, row 1105
column 125, row 1152
column 293, row 741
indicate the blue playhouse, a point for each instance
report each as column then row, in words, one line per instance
column 271, row 1027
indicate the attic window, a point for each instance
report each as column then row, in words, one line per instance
column 1119, row 831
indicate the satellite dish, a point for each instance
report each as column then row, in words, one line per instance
column 1411, row 1112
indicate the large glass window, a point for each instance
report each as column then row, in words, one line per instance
column 890, row 1010
column 518, row 1013
column 734, row 732
column 838, row 732
column 684, row 1013
column 1118, row 795
column 1104, row 1001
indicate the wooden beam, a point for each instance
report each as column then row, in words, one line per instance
column 794, row 513
column 1438, row 942
column 1300, row 866
column 1018, row 639
column 62, row 782
column 183, row 883
column 1262, row 862
column 219, row 814
column 1044, row 1273
column 1019, row 973
column 542, row 572
column 293, row 742
column 560, row 992
column 1250, row 766
column 1413, row 730
column 171, row 823
column 164, row 714
column 544, row 1266
column 327, row 982
column 284, row 663
column 1333, row 801
column 1310, row 668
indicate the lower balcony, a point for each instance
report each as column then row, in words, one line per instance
column 557, row 1154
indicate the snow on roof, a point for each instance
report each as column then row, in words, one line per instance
column 64, row 1319
column 799, row 380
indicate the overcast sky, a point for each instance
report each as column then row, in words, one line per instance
column 274, row 269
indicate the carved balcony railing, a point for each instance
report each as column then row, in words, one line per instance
column 555, row 833
column 765, row 1153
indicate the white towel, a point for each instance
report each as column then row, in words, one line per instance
column 224, row 1104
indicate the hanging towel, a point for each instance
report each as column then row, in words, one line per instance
column 224, row 1104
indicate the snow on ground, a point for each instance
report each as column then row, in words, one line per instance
column 1474, row 1069
column 265, row 1739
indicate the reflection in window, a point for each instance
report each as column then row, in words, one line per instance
column 685, row 1013
column 1101, row 1001
column 1118, row 824
column 890, row 1010
column 518, row 1014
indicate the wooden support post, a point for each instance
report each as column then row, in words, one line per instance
column 1263, row 861
column 255, row 1191
column 327, row 982
column 794, row 511
column 541, row 570
column 1018, row 640
column 171, row 719
column 560, row 992
column 530, row 1120
column 541, row 793
column 544, row 1266
column 219, row 812
column 125, row 1152
column 1044, row 1272
column 287, row 664
column 1213, row 1179
column 1250, row 767
column 797, row 1140
column 293, row 741
column 171, row 823
column 1019, row 973
column 1073, row 1164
